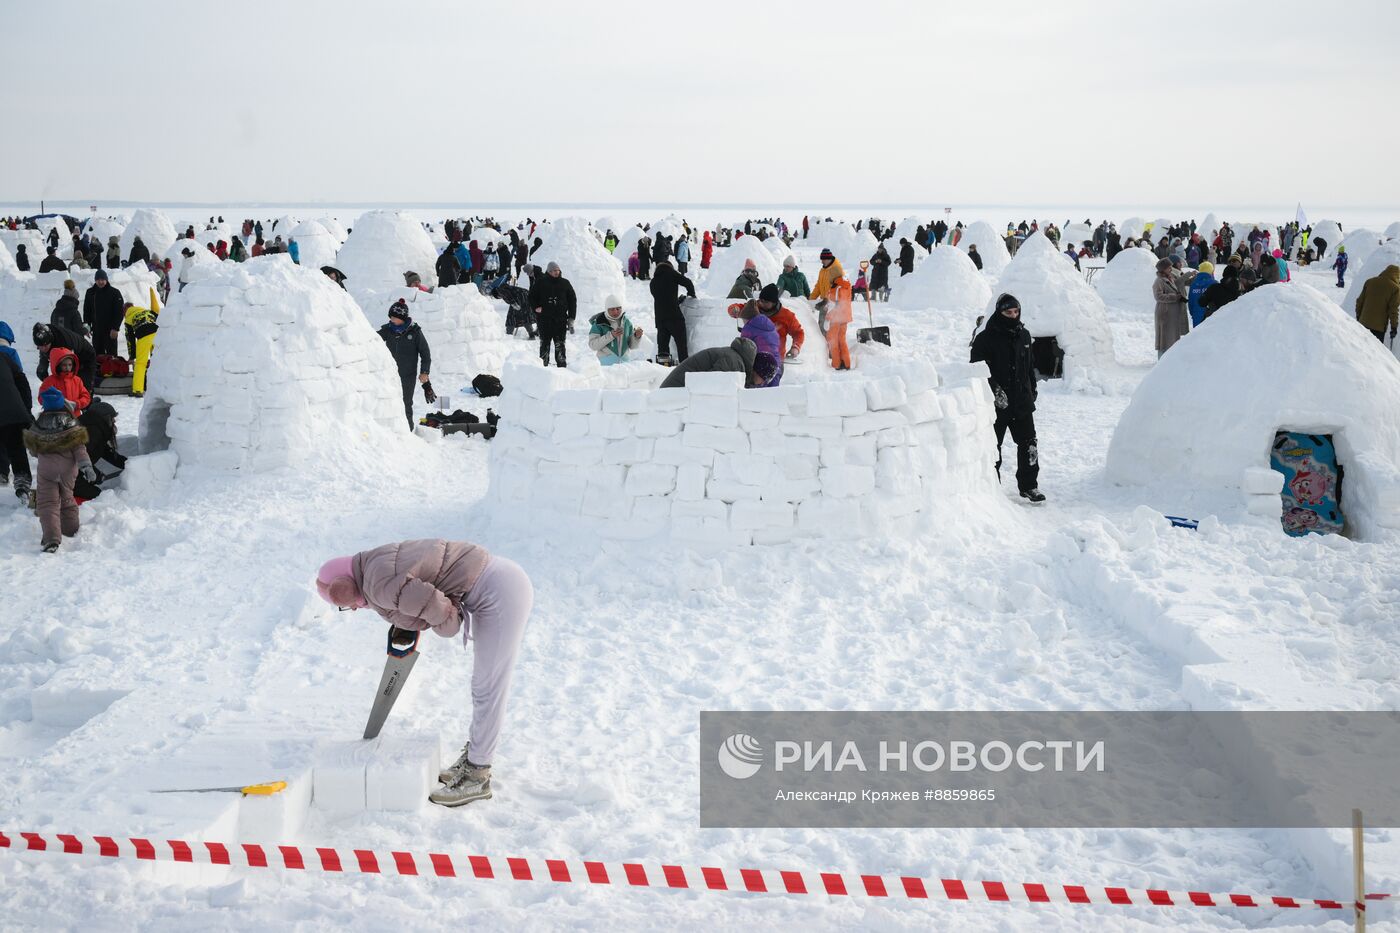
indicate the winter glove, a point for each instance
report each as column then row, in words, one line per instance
column 999, row 396
column 792, row 354
column 88, row 472
column 428, row 393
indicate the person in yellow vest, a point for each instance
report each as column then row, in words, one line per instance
column 141, row 340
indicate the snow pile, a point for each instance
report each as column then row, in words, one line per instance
column 717, row 465
column 1077, row 234
column 152, row 226
column 728, row 263
column 1207, row 414
column 946, row 280
column 991, row 246
column 593, row 273
column 1056, row 302
column 1126, row 282
column 465, row 332
column 265, row 364
column 103, row 228
column 383, row 245
column 1360, row 244
column 316, row 246
column 1387, row 254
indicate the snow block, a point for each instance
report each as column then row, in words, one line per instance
column 922, row 408
column 150, row 472
column 650, row 479
column 919, row 376
column 825, row 399
column 625, row 401
column 569, row 428
column 872, row 422
column 843, row 482
column 860, row 451
column 276, row 817
column 401, row 772
column 539, row 382
column 731, row 491
column 774, row 444
column 758, row 422
column 800, row 426
column 958, row 373
column 750, row 469
column 674, row 451
column 610, row 426
column 888, row 392
column 796, row 467
column 717, row 411
column 720, row 384
column 629, row 450
column 338, row 777
column 537, row 417
column 584, row 451
column 829, row 517
column 1261, row 481
column 1266, row 505
column 669, row 399
column 690, row 481
column 573, row 401
column 772, row 401
column 658, row 424
column 720, row 440
column 752, row 516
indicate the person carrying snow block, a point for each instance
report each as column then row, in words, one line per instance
column 409, row 348
column 63, row 376
column 447, row 586
column 741, row 356
column 1340, row 264
column 59, row 444
column 1005, row 346
column 611, row 334
column 555, row 304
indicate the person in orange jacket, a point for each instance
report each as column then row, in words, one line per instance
column 770, row 305
column 838, row 315
column 63, row 376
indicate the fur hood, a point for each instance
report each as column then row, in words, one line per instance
column 55, row 432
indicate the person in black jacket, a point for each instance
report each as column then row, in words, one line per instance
column 139, row 252
column 880, row 274
column 447, row 267
column 975, row 256
column 16, row 405
column 518, row 311
column 1223, row 292
column 100, row 419
column 51, row 261
column 22, row 258
column 906, row 256
column 409, row 348
column 1005, row 346
column 102, row 313
column 48, row 336
column 65, row 312
column 555, row 306
column 670, row 320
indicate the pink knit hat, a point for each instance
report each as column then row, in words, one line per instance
column 749, row 264
column 336, row 584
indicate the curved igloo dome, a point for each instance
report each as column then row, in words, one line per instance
column 316, row 246
column 591, row 270
column 1360, row 244
column 153, row 227
column 1207, row 412
column 382, row 246
column 1387, row 254
column 1126, row 282
column 946, row 280
column 991, row 246
column 728, row 263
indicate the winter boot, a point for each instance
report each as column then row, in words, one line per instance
column 472, row 783
column 450, row 773
column 51, row 547
column 1035, row 495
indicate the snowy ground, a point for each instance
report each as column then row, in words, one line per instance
column 189, row 601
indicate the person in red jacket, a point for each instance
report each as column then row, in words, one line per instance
column 770, row 304
column 63, row 376
column 707, row 250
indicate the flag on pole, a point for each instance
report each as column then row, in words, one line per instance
column 1302, row 217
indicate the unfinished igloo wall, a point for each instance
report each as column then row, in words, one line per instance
column 265, row 364
column 715, row 464
column 1207, row 413
column 28, row 298
column 466, row 335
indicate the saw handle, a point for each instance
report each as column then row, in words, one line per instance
column 402, row 642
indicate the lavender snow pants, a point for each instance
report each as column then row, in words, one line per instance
column 499, row 605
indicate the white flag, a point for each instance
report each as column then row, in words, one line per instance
column 1302, row 218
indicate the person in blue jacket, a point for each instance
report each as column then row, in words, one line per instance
column 1340, row 264
column 294, row 250
column 682, row 254
column 464, row 261
column 1205, row 278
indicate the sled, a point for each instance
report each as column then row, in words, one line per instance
column 1312, row 483
column 113, row 385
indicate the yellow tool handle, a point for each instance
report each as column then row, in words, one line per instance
column 265, row 790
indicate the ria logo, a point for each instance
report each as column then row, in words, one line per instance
column 740, row 756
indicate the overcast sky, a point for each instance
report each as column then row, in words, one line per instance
column 857, row 102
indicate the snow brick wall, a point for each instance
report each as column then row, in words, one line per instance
column 716, row 465
column 28, row 298
column 465, row 332
column 263, row 365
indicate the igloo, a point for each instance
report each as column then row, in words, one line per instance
column 946, row 280
column 991, row 246
column 729, row 261
column 335, row 228
column 1329, row 231
column 1131, row 228
column 383, row 245
column 1059, row 309
column 1207, row 414
column 264, row 364
column 200, row 255
column 104, row 228
column 1126, row 282
column 465, row 333
column 1077, row 234
column 780, row 250
column 1387, row 254
column 591, row 270
column 1360, row 244
column 1393, row 231
column 627, row 244
column 316, row 246
column 153, row 227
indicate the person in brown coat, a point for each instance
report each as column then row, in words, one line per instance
column 440, row 585
column 1379, row 303
column 59, row 444
column 1171, row 315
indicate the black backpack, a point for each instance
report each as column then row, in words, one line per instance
column 486, row 385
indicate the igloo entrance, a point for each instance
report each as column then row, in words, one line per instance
column 1048, row 358
column 1312, row 482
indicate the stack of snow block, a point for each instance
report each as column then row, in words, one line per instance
column 466, row 334
column 1263, row 491
column 717, row 464
column 386, row 773
column 266, row 364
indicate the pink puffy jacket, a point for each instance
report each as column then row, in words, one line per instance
column 419, row 584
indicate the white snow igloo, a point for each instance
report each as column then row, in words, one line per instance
column 316, row 246
column 1060, row 310
column 991, row 246
column 590, row 269
column 946, row 280
column 728, row 263
column 466, row 335
column 1386, row 254
column 1126, row 282
column 153, row 227
column 382, row 246
column 263, row 365
column 1281, row 358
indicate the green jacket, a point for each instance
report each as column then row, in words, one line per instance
column 602, row 342
column 1379, row 301
column 794, row 283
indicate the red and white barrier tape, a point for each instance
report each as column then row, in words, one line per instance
column 635, row 875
